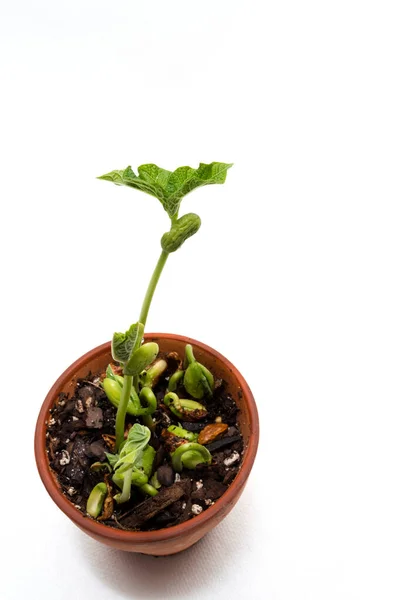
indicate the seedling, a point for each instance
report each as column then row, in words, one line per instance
column 190, row 455
column 177, row 445
column 96, row 500
column 183, row 433
column 191, row 410
column 169, row 188
column 150, row 377
column 198, row 380
column 132, row 464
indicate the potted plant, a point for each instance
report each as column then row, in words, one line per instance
column 146, row 442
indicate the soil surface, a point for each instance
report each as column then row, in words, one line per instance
column 82, row 428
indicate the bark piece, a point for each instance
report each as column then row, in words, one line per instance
column 194, row 427
column 214, row 489
column 223, row 443
column 152, row 506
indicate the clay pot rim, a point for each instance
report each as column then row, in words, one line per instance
column 142, row 537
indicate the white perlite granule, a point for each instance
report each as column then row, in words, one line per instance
column 196, row 509
column 65, row 458
column 231, row 459
column 199, row 484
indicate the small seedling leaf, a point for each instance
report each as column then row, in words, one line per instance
column 169, row 187
column 123, row 343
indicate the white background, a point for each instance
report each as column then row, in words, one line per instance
column 293, row 275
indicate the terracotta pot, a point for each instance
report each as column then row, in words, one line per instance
column 179, row 537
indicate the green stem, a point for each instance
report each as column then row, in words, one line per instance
column 190, row 354
column 154, row 279
column 127, row 486
column 121, row 412
column 128, row 380
column 151, row 287
column 148, row 422
column 120, row 423
column 147, row 488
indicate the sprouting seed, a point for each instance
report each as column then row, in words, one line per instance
column 96, row 500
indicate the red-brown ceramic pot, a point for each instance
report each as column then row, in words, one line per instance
column 179, row 537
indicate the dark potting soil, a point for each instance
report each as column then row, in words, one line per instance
column 82, row 428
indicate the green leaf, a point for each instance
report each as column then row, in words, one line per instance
column 139, row 435
column 123, row 343
column 115, row 176
column 169, row 187
column 184, row 180
column 147, row 460
column 132, row 451
column 149, row 180
column 112, row 458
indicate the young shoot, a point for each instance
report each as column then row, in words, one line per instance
column 133, row 464
column 113, row 385
column 188, row 410
column 126, row 349
column 183, row 433
column 96, row 500
column 190, row 455
column 169, row 188
column 150, row 377
column 155, row 482
column 198, row 380
column 148, row 489
column 175, row 379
